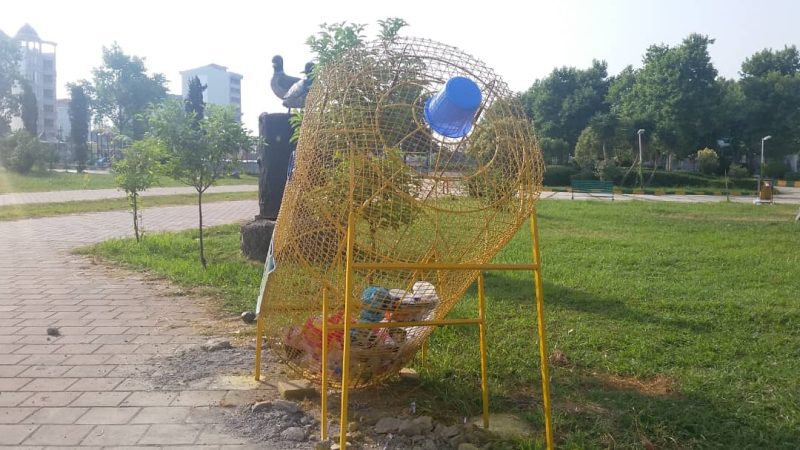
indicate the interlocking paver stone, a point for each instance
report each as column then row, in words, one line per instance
column 58, row 435
column 15, row 434
column 115, row 435
column 108, row 416
column 88, row 387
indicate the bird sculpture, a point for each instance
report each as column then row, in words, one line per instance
column 280, row 82
column 296, row 97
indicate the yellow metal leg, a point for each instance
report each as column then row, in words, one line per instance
column 537, row 278
column 324, row 367
column 348, row 292
column 482, row 331
column 259, row 344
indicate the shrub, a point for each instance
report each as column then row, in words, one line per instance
column 737, row 171
column 775, row 170
column 608, row 170
column 20, row 151
column 708, row 161
column 585, row 174
column 558, row 175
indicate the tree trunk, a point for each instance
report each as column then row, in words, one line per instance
column 135, row 206
column 200, row 212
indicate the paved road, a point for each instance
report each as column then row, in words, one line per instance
column 84, row 388
column 100, row 194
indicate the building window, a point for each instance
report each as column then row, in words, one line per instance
column 47, row 64
column 48, row 94
column 47, row 79
column 48, row 123
column 48, row 108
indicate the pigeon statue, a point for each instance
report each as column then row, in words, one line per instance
column 296, row 97
column 280, row 83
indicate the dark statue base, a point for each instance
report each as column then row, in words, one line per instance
column 256, row 236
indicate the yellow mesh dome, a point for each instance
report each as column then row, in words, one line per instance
column 416, row 196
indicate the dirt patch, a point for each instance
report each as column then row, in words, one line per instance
column 661, row 385
column 282, row 424
column 194, row 365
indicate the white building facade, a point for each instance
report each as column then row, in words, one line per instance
column 222, row 87
column 38, row 67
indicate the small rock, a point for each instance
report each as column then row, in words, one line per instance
column 323, row 445
column 450, row 431
column 336, row 445
column 407, row 373
column 306, row 420
column 294, row 434
column 457, row 440
column 429, row 445
column 352, row 426
column 286, row 406
column 467, row 446
column 260, row 406
column 425, row 423
column 53, row 331
column 409, row 428
column 248, row 317
column 388, row 425
column 296, row 389
column 215, row 344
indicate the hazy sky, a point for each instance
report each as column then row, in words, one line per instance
column 522, row 43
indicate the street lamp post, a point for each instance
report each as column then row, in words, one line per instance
column 641, row 178
column 765, row 138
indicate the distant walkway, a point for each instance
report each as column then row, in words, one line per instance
column 20, row 198
column 790, row 196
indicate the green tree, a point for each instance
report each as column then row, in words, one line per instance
column 677, row 91
column 9, row 74
column 123, row 91
column 79, row 123
column 770, row 85
column 562, row 104
column 136, row 172
column 708, row 160
column 589, row 149
column 193, row 103
column 29, row 111
column 20, row 151
column 198, row 156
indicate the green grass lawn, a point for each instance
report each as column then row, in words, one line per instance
column 33, row 210
column 679, row 324
column 63, row 181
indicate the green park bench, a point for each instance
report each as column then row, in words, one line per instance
column 592, row 187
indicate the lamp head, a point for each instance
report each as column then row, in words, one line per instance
column 640, row 132
column 766, row 138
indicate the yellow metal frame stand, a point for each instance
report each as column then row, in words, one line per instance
column 346, row 326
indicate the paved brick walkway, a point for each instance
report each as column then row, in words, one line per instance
column 19, row 198
column 83, row 389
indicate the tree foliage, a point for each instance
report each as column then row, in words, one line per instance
column 123, row 91
column 677, row 91
column 562, row 103
column 194, row 103
column 708, row 161
column 29, row 110
column 770, row 86
column 79, row 116
column 137, row 171
column 20, row 151
column 198, row 155
column 9, row 74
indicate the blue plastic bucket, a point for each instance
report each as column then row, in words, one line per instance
column 452, row 110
